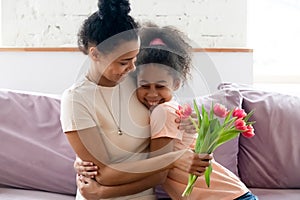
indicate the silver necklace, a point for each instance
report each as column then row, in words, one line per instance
column 120, row 132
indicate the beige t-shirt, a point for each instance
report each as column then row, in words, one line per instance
column 224, row 185
column 83, row 107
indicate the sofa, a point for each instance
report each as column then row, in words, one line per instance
column 37, row 161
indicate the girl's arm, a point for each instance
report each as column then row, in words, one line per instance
column 89, row 146
column 164, row 145
column 161, row 146
column 165, row 134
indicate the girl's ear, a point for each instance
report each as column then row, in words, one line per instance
column 94, row 53
column 177, row 84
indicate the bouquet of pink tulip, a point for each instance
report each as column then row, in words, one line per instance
column 212, row 133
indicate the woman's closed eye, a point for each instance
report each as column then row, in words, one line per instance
column 128, row 61
column 124, row 63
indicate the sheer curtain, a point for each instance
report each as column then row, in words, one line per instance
column 274, row 34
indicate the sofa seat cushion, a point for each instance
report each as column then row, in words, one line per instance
column 17, row 194
column 276, row 194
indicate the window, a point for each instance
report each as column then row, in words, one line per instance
column 274, row 34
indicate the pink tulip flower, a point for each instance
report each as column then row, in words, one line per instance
column 249, row 132
column 239, row 113
column 220, row 110
column 184, row 111
column 240, row 125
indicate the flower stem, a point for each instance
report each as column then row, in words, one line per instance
column 189, row 188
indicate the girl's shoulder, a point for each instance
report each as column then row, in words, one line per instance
column 170, row 105
column 164, row 108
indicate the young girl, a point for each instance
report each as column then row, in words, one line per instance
column 163, row 63
column 102, row 118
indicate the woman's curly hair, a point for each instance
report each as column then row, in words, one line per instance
column 112, row 18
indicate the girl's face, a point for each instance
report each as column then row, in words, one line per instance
column 111, row 69
column 155, row 85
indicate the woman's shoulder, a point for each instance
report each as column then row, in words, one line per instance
column 77, row 89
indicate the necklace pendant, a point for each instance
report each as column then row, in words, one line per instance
column 120, row 132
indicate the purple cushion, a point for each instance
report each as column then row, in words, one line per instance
column 271, row 158
column 34, row 152
column 227, row 153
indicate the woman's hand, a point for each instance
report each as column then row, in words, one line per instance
column 186, row 124
column 88, row 188
column 193, row 163
column 84, row 168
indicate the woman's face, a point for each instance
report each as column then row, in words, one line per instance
column 111, row 69
column 155, row 85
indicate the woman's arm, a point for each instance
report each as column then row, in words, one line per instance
column 91, row 189
column 89, row 146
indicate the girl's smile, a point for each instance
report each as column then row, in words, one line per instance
column 155, row 84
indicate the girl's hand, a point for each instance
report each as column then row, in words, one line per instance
column 193, row 163
column 84, row 168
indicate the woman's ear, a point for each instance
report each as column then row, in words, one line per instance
column 94, row 53
column 177, row 84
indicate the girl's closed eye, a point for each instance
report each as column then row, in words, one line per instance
column 157, row 86
column 160, row 86
column 145, row 86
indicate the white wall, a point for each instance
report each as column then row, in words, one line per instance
column 1, row 23
column 209, row 23
column 53, row 72
column 48, row 72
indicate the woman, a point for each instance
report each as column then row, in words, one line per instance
column 103, row 120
